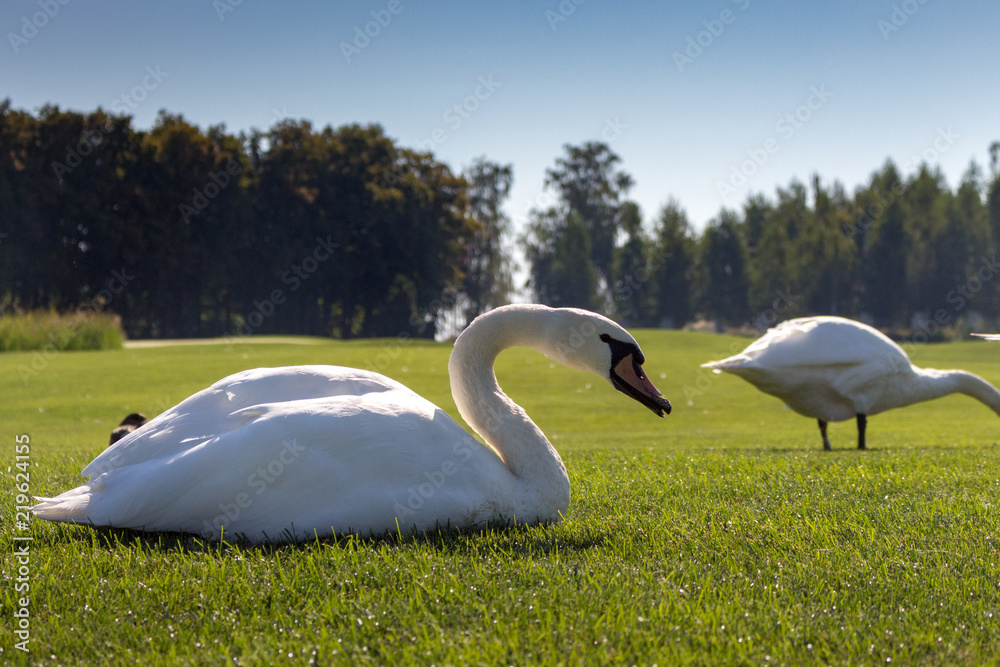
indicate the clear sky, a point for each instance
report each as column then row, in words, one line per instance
column 745, row 93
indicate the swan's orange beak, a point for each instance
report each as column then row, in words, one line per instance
column 628, row 378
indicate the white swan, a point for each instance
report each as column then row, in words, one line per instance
column 832, row 369
column 289, row 453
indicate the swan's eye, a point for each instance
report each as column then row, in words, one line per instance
column 621, row 349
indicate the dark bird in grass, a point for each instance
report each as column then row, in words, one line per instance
column 129, row 424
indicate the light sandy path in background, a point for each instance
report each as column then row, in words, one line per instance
column 243, row 340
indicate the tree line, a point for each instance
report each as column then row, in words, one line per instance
column 904, row 251
column 183, row 231
column 188, row 232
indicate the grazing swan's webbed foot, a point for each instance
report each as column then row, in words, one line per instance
column 822, row 432
column 862, row 423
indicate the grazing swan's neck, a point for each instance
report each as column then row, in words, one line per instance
column 501, row 422
column 934, row 384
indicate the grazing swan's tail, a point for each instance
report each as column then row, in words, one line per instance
column 740, row 365
column 725, row 364
column 69, row 507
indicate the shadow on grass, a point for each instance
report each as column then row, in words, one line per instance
column 504, row 536
column 819, row 451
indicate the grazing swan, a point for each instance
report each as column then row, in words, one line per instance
column 303, row 451
column 129, row 424
column 832, row 369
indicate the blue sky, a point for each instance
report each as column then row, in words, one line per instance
column 705, row 102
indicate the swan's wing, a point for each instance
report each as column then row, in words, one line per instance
column 360, row 468
column 224, row 407
column 369, row 454
column 988, row 336
column 818, row 342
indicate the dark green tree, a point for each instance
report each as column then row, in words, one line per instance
column 884, row 263
column 488, row 279
column 591, row 186
column 672, row 265
column 964, row 248
column 26, row 222
column 558, row 250
column 803, row 263
column 723, row 260
column 831, row 261
column 632, row 291
column 993, row 193
column 756, row 212
column 431, row 232
column 373, row 237
column 192, row 179
column 929, row 268
column 772, row 269
column 771, row 261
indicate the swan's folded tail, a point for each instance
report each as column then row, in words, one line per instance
column 69, row 507
column 738, row 361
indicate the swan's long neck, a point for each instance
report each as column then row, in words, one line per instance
column 501, row 422
column 932, row 383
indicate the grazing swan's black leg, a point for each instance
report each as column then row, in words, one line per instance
column 862, row 423
column 822, row 431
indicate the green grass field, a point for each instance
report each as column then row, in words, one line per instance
column 720, row 535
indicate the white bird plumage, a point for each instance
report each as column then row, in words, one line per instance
column 289, row 453
column 832, row 369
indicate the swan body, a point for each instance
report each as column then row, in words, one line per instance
column 833, row 369
column 304, row 451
